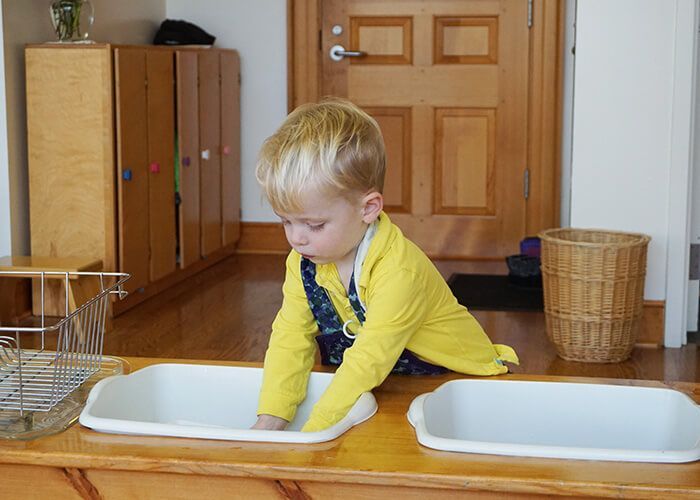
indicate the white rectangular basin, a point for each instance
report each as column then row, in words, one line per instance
column 204, row 401
column 559, row 420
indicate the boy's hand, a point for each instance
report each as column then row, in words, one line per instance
column 270, row 423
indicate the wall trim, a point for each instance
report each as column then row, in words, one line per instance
column 262, row 237
column 268, row 238
column 651, row 328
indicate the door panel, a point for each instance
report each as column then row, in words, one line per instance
column 459, row 71
column 188, row 153
column 230, row 147
column 161, row 158
column 464, row 157
column 132, row 165
column 210, row 147
column 396, row 129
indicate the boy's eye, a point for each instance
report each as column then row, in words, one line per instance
column 316, row 227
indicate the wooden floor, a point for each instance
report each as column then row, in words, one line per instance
column 225, row 313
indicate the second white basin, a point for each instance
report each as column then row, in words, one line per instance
column 559, row 420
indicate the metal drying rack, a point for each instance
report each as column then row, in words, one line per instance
column 37, row 379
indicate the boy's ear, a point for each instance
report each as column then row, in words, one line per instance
column 372, row 205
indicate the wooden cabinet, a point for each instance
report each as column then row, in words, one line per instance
column 134, row 158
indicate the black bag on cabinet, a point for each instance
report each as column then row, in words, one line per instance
column 178, row 32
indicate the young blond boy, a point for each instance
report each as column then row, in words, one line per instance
column 354, row 284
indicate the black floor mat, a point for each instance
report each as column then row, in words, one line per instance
column 494, row 293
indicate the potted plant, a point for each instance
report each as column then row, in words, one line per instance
column 71, row 19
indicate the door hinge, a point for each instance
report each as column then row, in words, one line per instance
column 320, row 40
column 694, row 264
column 526, row 183
column 529, row 13
column 239, row 79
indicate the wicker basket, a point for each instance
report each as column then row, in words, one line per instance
column 593, row 284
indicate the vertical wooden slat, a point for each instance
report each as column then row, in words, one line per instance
column 71, row 152
column 132, row 165
column 161, row 136
column 230, row 147
column 188, row 144
column 70, row 145
column 209, row 145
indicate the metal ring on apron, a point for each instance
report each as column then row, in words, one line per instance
column 345, row 330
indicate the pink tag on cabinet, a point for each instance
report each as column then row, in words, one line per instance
column 227, row 150
column 155, row 167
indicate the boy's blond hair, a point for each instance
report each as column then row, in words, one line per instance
column 332, row 147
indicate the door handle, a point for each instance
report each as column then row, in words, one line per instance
column 338, row 53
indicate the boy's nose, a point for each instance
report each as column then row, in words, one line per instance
column 297, row 237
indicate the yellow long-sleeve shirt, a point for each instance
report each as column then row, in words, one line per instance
column 408, row 305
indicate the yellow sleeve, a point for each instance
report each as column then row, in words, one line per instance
column 290, row 354
column 394, row 312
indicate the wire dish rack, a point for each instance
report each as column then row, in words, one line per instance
column 36, row 379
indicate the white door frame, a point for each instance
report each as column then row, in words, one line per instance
column 694, row 285
column 5, row 206
column 680, row 175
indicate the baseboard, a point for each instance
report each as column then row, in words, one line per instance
column 651, row 329
column 156, row 287
column 262, row 237
column 268, row 238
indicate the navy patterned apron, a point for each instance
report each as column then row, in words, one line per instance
column 332, row 341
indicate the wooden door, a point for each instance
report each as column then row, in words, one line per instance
column 447, row 81
column 230, row 147
column 188, row 154
column 161, row 159
column 210, row 147
column 132, row 165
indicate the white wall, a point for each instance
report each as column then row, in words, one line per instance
column 27, row 21
column 258, row 30
column 622, row 122
column 632, row 125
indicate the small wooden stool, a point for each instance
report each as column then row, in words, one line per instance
column 80, row 288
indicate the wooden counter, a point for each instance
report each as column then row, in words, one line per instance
column 378, row 459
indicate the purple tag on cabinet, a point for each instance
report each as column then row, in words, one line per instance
column 186, row 161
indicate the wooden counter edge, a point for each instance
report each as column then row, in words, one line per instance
column 466, row 483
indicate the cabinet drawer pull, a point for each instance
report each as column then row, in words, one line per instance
column 155, row 167
column 126, row 174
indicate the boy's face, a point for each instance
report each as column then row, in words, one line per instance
column 329, row 229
